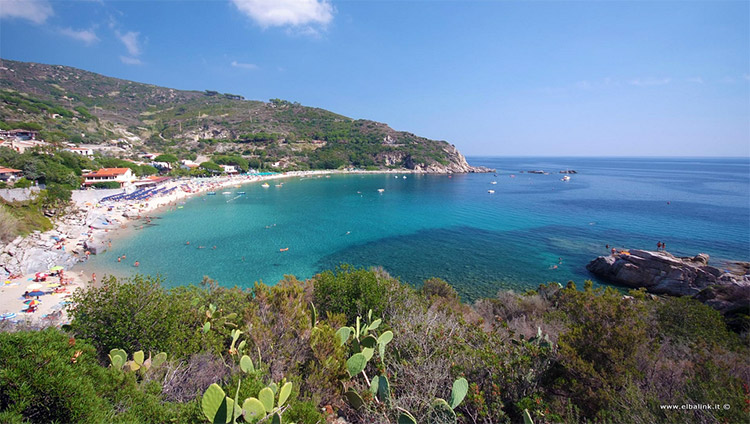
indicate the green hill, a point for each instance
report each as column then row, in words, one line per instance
column 69, row 104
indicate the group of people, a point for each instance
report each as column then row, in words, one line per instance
column 661, row 246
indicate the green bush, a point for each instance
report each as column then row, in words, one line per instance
column 22, row 183
column 48, row 377
column 106, row 184
column 137, row 314
column 600, row 351
column 350, row 291
column 439, row 287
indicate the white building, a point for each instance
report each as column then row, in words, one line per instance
column 229, row 169
column 124, row 176
column 83, row 151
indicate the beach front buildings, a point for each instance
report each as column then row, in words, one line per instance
column 123, row 176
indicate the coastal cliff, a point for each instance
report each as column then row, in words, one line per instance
column 662, row 273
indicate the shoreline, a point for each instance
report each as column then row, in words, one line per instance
column 91, row 227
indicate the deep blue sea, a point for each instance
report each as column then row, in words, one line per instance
column 533, row 229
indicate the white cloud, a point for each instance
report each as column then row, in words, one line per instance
column 297, row 13
column 86, row 35
column 36, row 11
column 130, row 60
column 250, row 66
column 130, row 40
column 643, row 82
column 697, row 80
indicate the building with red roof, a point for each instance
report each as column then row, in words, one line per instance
column 124, row 176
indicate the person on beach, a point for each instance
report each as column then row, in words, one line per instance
column 119, row 259
column 93, row 277
column 614, row 251
column 663, row 247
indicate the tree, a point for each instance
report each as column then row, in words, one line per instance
column 211, row 166
column 166, row 157
column 237, row 161
column 147, row 170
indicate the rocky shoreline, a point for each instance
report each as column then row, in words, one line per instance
column 725, row 289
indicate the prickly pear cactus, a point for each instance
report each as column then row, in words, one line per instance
column 458, row 393
column 441, row 413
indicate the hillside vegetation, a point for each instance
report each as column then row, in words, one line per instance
column 68, row 104
column 359, row 344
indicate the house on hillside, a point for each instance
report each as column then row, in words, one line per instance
column 9, row 174
column 83, row 151
column 19, row 134
column 124, row 176
column 20, row 145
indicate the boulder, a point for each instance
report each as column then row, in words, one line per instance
column 95, row 246
column 663, row 273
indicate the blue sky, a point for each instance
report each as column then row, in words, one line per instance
column 493, row 77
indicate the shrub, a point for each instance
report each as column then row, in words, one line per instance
column 47, row 376
column 439, row 287
column 350, row 291
column 106, row 184
column 686, row 320
column 22, row 183
column 601, row 348
column 8, row 225
column 136, row 314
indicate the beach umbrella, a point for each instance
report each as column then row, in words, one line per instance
column 34, row 286
column 56, row 268
column 37, row 293
column 32, row 302
column 7, row 315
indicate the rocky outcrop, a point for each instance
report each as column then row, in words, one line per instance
column 663, row 273
column 456, row 162
column 34, row 253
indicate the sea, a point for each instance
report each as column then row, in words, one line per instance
column 534, row 228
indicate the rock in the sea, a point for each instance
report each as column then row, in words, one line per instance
column 663, row 273
column 96, row 246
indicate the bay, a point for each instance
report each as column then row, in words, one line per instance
column 533, row 229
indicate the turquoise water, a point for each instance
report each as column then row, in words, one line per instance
column 450, row 227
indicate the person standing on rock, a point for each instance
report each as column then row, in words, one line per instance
column 658, row 246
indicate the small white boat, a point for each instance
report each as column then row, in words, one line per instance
column 565, row 178
column 240, row 192
column 494, row 182
column 265, row 185
column 491, row 191
column 395, row 176
column 380, row 190
column 211, row 193
column 278, row 185
column 226, row 192
column 404, row 176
